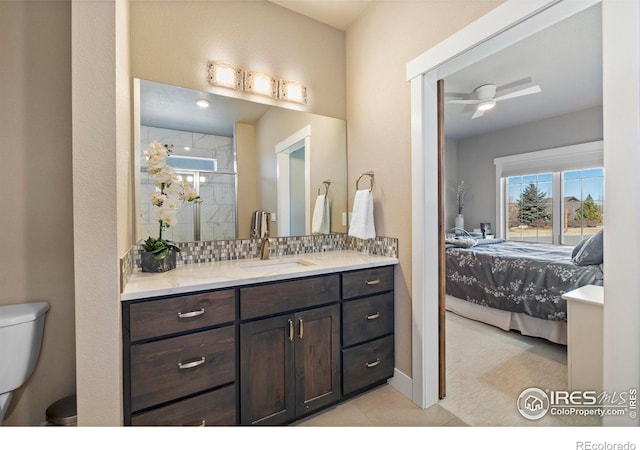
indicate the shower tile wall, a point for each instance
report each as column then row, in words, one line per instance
column 217, row 190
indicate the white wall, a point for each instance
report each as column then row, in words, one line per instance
column 475, row 155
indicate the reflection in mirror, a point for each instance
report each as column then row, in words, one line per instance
column 242, row 157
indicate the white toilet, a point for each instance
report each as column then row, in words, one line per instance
column 21, row 328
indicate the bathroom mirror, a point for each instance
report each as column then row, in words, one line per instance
column 243, row 157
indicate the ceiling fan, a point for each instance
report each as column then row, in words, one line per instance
column 484, row 97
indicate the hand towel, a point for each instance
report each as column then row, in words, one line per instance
column 260, row 224
column 321, row 223
column 362, row 225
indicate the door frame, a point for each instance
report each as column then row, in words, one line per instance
column 297, row 141
column 509, row 23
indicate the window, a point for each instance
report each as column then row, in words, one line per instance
column 530, row 208
column 532, row 200
column 554, row 196
column 583, row 205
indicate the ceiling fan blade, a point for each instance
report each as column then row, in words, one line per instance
column 514, row 84
column 464, row 102
column 478, row 113
column 520, row 93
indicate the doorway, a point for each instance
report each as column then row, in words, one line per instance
column 293, row 184
column 507, row 24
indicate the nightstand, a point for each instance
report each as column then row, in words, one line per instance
column 584, row 337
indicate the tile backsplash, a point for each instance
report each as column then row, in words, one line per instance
column 209, row 251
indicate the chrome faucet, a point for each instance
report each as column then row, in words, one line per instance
column 264, row 247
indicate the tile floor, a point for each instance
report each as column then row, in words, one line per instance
column 382, row 406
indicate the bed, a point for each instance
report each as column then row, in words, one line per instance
column 516, row 285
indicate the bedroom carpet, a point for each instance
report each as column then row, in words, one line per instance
column 487, row 369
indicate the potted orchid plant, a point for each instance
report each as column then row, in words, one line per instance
column 159, row 254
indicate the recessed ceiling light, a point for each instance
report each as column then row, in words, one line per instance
column 202, row 103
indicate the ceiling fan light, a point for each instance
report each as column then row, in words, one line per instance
column 486, row 105
column 202, row 103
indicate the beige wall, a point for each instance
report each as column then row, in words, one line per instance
column 256, row 35
column 171, row 42
column 37, row 219
column 379, row 45
column 327, row 160
column 102, row 212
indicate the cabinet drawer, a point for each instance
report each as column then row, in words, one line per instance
column 176, row 367
column 213, row 408
column 257, row 301
column 367, row 318
column 366, row 282
column 367, row 364
column 173, row 315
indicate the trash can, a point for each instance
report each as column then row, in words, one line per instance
column 63, row 412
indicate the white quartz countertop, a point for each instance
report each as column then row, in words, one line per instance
column 220, row 274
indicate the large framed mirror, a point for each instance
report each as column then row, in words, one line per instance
column 242, row 157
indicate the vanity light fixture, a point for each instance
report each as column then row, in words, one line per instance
column 202, row 103
column 260, row 83
column 225, row 75
column 292, row 91
column 244, row 80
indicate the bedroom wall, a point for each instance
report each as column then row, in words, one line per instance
column 475, row 155
column 451, row 181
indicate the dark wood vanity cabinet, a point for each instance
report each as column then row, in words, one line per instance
column 180, row 360
column 290, row 362
column 265, row 354
column 367, row 328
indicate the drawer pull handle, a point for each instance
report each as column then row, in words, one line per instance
column 290, row 330
column 197, row 423
column 372, row 364
column 184, row 315
column 191, row 364
column 373, row 316
column 301, row 328
column 372, row 282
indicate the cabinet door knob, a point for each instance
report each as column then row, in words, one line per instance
column 184, row 315
column 301, row 328
column 373, row 316
column 191, row 364
column 372, row 364
column 372, row 282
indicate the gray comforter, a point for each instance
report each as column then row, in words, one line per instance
column 519, row 277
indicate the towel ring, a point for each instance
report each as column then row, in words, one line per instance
column 369, row 174
column 326, row 187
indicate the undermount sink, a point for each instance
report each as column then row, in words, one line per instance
column 274, row 264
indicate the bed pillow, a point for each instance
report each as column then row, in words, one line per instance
column 461, row 242
column 591, row 251
column 577, row 248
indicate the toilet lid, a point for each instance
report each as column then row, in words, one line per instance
column 21, row 313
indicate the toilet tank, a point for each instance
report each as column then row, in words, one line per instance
column 21, row 328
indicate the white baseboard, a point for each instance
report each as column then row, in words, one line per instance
column 402, row 383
